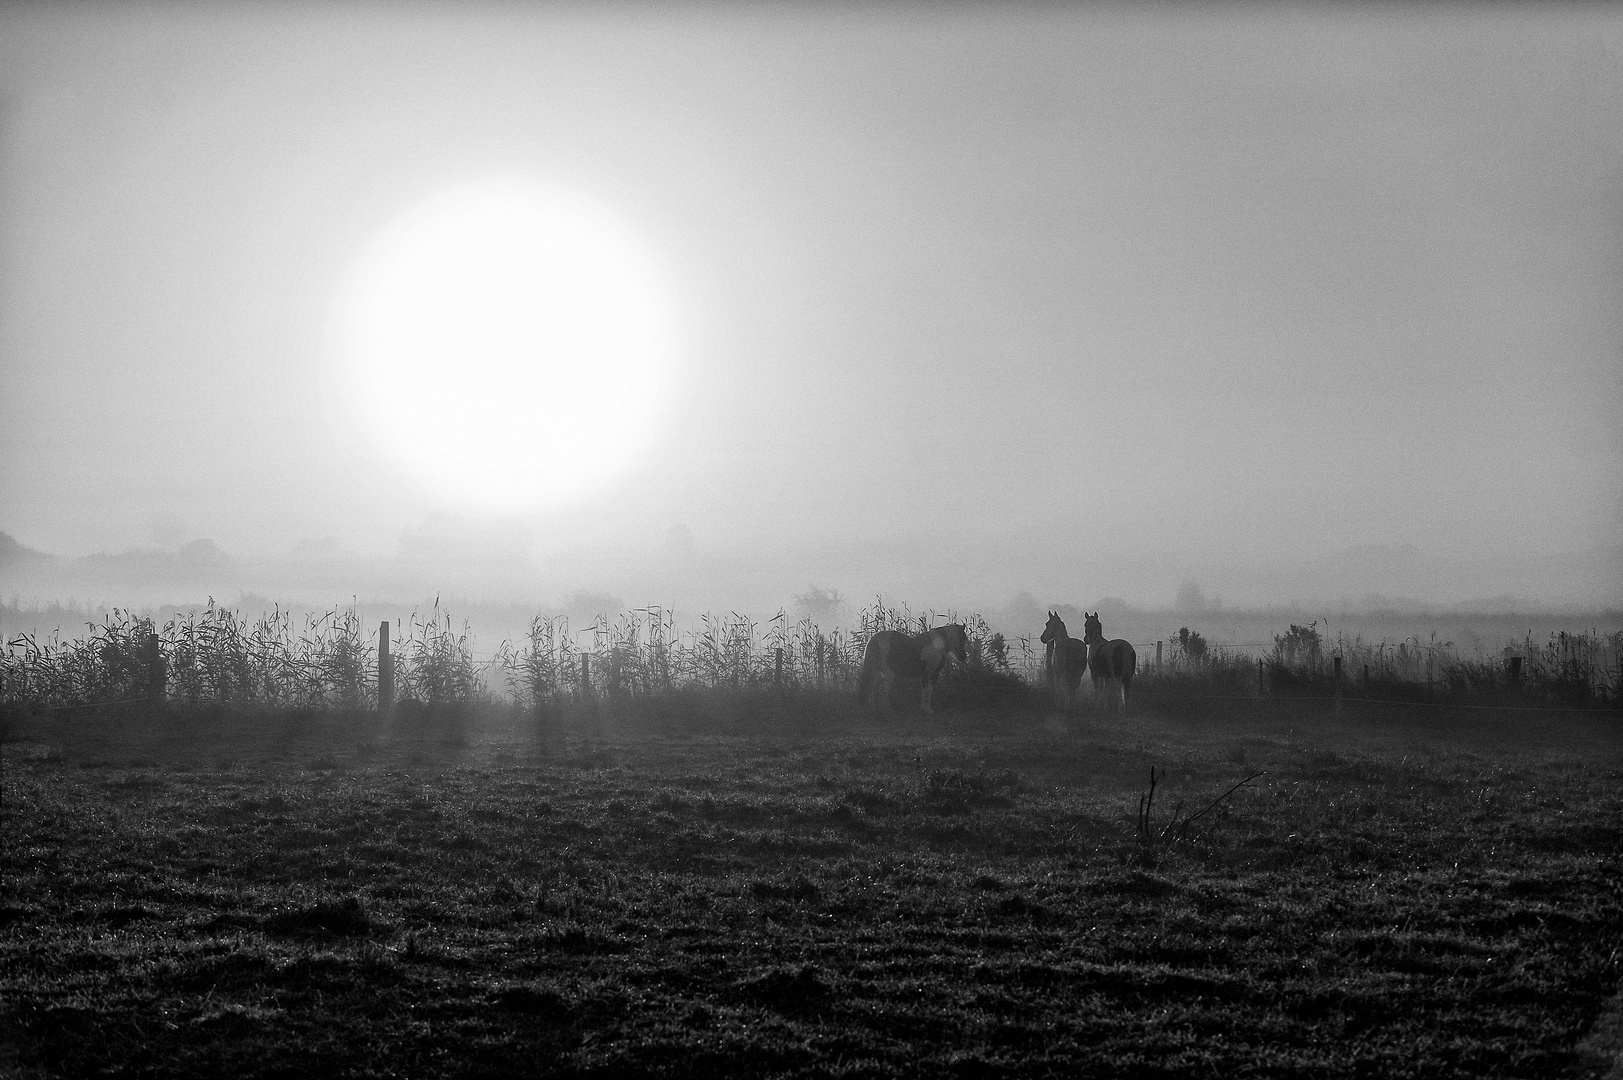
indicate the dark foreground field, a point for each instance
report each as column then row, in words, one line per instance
column 294, row 895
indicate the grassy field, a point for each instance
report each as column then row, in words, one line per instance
column 211, row 892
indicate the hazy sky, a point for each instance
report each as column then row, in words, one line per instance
column 1074, row 300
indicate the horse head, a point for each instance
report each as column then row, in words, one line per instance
column 1054, row 629
column 1092, row 629
column 957, row 641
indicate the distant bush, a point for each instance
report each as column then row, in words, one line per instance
column 986, row 687
column 993, row 652
column 1299, row 648
column 1192, row 644
column 1572, row 666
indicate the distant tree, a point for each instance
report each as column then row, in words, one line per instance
column 203, row 553
column 13, row 552
column 822, row 606
column 1190, row 598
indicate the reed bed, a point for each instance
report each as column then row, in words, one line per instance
column 330, row 661
column 642, row 652
column 215, row 655
column 1572, row 668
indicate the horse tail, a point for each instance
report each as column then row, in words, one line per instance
column 1125, row 663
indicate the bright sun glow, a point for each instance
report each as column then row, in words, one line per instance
column 509, row 343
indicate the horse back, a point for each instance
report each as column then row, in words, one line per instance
column 1071, row 657
column 895, row 650
column 906, row 653
column 1113, row 659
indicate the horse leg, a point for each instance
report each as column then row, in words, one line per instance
column 869, row 678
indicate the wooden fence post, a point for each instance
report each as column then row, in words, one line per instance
column 1515, row 671
column 156, row 675
column 1158, row 657
column 385, row 670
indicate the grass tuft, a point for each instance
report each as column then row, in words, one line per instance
column 338, row 918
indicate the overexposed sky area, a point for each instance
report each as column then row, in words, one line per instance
column 957, row 301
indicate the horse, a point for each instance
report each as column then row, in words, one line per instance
column 1065, row 661
column 893, row 653
column 1112, row 659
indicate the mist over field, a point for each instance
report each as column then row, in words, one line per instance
column 498, row 600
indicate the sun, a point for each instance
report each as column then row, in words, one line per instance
column 508, row 343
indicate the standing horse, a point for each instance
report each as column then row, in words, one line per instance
column 893, row 653
column 1112, row 659
column 1066, row 661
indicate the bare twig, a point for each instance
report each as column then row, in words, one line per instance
column 1190, row 820
column 1144, row 803
column 1177, row 828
